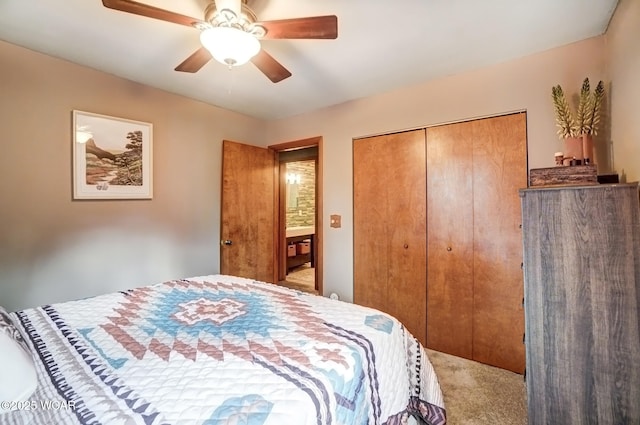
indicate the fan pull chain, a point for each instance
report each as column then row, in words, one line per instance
column 232, row 80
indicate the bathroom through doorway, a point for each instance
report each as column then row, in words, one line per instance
column 298, row 180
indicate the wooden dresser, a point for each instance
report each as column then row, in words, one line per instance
column 582, row 302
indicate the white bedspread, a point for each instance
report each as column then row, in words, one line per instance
column 223, row 350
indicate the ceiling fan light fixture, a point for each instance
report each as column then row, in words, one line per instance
column 230, row 46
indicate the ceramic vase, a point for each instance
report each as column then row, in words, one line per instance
column 573, row 148
column 587, row 149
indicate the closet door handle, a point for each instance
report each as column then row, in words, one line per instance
column 448, row 248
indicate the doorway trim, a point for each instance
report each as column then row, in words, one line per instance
column 279, row 230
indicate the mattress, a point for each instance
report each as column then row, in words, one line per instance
column 223, row 350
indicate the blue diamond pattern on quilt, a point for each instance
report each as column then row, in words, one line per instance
column 379, row 322
column 251, row 409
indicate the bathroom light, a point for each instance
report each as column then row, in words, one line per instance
column 292, row 178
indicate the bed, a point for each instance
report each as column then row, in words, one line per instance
column 220, row 350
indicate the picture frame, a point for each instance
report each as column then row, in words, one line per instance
column 112, row 157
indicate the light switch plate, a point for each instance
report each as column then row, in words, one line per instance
column 335, row 221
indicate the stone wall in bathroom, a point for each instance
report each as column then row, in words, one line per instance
column 304, row 214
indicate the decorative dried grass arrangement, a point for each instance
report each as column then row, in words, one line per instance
column 587, row 116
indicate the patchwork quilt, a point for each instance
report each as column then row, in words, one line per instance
column 222, row 350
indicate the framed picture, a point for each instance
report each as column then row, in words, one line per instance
column 112, row 157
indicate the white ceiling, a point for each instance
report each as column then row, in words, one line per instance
column 381, row 45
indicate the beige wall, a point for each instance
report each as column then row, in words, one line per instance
column 523, row 84
column 623, row 62
column 53, row 248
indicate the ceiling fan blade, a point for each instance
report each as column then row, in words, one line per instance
column 270, row 67
column 325, row 27
column 141, row 9
column 197, row 60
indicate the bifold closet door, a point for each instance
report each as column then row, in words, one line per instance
column 474, row 242
column 450, row 239
column 389, row 210
column 499, row 172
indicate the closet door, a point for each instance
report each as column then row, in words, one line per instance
column 450, row 239
column 499, row 171
column 390, row 226
column 474, row 276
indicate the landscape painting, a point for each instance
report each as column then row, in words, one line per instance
column 111, row 157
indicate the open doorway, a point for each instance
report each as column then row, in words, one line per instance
column 299, row 235
column 299, row 168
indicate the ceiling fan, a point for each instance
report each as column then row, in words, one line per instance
column 230, row 33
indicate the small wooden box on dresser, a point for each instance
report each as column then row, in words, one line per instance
column 582, row 304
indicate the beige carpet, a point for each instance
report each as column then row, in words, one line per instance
column 301, row 278
column 475, row 393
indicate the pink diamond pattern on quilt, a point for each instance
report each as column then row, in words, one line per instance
column 202, row 309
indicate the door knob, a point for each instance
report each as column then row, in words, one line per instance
column 226, row 242
column 448, row 248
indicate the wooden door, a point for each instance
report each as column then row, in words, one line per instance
column 390, row 226
column 248, row 214
column 499, row 171
column 475, row 284
column 450, row 239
